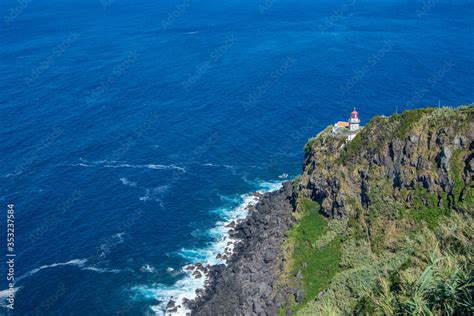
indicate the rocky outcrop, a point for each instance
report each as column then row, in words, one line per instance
column 404, row 152
column 245, row 286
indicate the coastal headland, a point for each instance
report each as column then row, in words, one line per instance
column 368, row 226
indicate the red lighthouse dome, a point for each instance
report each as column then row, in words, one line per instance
column 354, row 114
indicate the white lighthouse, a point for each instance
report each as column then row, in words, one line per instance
column 354, row 126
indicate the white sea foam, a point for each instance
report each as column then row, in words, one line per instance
column 225, row 198
column 4, row 295
column 101, row 270
column 229, row 167
column 153, row 166
column 125, row 181
column 110, row 243
column 79, row 263
column 186, row 287
column 154, row 194
column 148, row 166
column 75, row 262
column 115, row 164
column 147, row 268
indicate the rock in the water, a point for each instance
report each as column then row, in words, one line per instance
column 171, row 304
column 257, row 194
column 231, row 224
column 197, row 274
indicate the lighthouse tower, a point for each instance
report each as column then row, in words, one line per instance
column 353, row 125
column 354, row 121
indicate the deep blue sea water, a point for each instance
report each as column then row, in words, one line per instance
column 130, row 130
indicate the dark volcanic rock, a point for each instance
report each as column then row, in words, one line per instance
column 245, row 285
column 300, row 296
column 231, row 224
column 171, row 304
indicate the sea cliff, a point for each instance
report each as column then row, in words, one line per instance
column 381, row 224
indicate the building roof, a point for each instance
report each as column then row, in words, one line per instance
column 342, row 124
column 354, row 114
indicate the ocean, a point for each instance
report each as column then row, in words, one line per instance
column 132, row 131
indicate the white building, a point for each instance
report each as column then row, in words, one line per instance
column 348, row 129
column 354, row 126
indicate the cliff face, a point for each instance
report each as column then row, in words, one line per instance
column 428, row 149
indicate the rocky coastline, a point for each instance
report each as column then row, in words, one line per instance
column 247, row 282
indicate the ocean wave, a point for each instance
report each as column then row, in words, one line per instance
column 148, row 166
column 101, row 270
column 75, row 262
column 116, row 164
column 79, row 263
column 185, row 288
column 4, row 295
column 266, row 186
column 147, row 268
column 155, row 194
column 228, row 167
column 217, row 165
column 126, row 182
column 226, row 198
column 110, row 243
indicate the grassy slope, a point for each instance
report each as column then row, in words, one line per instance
column 309, row 255
column 317, row 263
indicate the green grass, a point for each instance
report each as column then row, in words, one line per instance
column 318, row 266
column 432, row 213
column 408, row 119
column 324, row 133
column 322, row 265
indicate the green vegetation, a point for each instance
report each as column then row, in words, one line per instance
column 351, row 149
column 296, row 181
column 309, row 145
column 427, row 208
column 317, row 264
column 425, row 271
column 463, row 193
column 442, row 288
column 406, row 120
